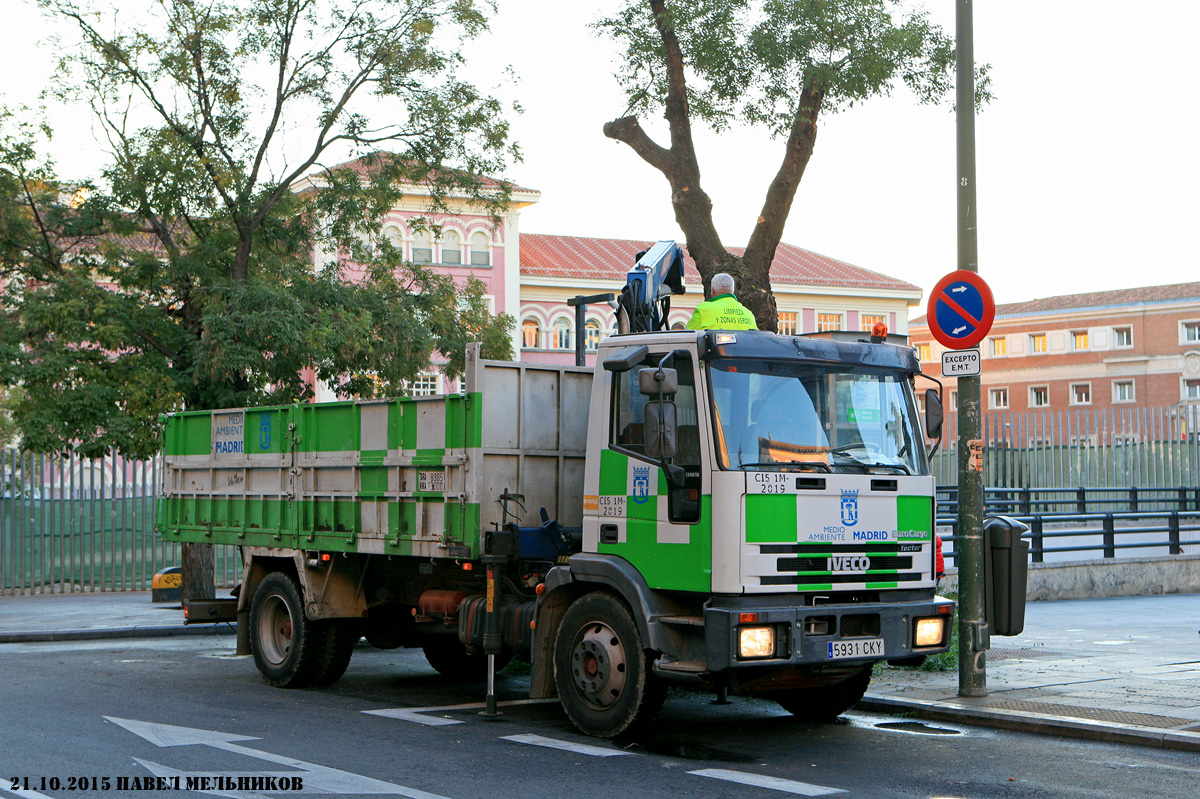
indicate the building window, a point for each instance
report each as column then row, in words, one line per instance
column 679, row 326
column 1123, row 391
column 1037, row 342
column 591, row 335
column 424, row 385
column 481, row 251
column 391, row 234
column 531, row 333
column 1079, row 340
column 1039, row 396
column 867, row 322
column 1191, row 389
column 923, row 352
column 451, row 248
column 999, row 346
column 1081, row 394
column 562, row 334
column 998, row 398
column 787, row 323
column 422, row 252
column 1122, row 336
column 954, row 400
column 828, row 321
column 1191, row 333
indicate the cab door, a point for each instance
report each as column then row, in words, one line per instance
column 664, row 530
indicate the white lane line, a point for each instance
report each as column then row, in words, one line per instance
column 566, row 746
column 774, row 783
column 414, row 714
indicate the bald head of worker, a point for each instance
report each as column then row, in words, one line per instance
column 722, row 283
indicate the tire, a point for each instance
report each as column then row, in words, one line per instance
column 341, row 636
column 287, row 647
column 451, row 659
column 823, row 705
column 603, row 675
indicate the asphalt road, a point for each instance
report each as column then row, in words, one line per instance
column 126, row 711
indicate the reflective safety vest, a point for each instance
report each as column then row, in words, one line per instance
column 722, row 312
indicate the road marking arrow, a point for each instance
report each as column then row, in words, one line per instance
column 317, row 778
column 414, row 714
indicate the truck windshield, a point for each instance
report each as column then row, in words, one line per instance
column 777, row 415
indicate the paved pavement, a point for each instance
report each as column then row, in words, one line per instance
column 1123, row 669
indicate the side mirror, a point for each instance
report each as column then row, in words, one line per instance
column 661, row 428
column 655, row 382
column 933, row 413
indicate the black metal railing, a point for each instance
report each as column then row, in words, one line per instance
column 1104, row 533
column 1077, row 500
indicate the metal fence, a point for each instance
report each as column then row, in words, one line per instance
column 1082, row 447
column 70, row 524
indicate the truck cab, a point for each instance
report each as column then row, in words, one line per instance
column 758, row 518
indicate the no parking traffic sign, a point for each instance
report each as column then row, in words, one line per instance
column 960, row 310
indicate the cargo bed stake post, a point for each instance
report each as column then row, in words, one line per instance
column 493, row 638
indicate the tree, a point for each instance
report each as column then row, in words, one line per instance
column 183, row 275
column 774, row 64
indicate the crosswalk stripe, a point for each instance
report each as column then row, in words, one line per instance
column 567, row 746
column 774, row 783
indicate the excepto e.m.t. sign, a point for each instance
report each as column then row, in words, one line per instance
column 960, row 363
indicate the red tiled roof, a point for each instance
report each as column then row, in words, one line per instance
column 1095, row 299
column 547, row 255
column 365, row 164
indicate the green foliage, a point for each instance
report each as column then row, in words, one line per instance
column 752, row 61
column 184, row 276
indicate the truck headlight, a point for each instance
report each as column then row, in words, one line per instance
column 930, row 632
column 756, row 642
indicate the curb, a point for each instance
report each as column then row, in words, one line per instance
column 1064, row 726
column 115, row 632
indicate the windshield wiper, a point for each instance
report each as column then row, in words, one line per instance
column 850, row 460
column 786, row 465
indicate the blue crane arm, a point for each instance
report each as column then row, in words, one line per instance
column 646, row 298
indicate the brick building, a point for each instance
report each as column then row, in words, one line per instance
column 1129, row 348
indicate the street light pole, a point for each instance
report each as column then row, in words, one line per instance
column 973, row 639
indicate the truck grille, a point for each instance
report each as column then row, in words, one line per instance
column 826, row 566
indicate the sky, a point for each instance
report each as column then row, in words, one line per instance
column 1088, row 176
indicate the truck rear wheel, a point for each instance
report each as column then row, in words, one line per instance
column 287, row 646
column 601, row 670
column 341, row 636
column 825, row 704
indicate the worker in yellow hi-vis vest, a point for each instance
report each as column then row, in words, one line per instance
column 723, row 311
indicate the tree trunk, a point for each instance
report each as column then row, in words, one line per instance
column 198, row 572
column 693, row 207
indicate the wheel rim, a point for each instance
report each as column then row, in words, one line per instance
column 599, row 666
column 275, row 628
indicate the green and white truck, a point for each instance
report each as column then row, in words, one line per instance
column 743, row 512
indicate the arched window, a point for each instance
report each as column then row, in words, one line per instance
column 562, row 334
column 391, row 234
column 481, row 251
column 422, row 248
column 591, row 335
column 679, row 326
column 451, row 248
column 531, row 333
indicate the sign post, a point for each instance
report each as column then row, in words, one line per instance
column 973, row 639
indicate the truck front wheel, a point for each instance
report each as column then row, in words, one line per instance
column 825, row 704
column 287, row 646
column 601, row 670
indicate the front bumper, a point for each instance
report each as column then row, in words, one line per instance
column 804, row 634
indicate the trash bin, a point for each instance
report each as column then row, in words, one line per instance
column 1006, row 574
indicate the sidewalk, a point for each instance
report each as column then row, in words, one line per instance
column 1124, row 669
